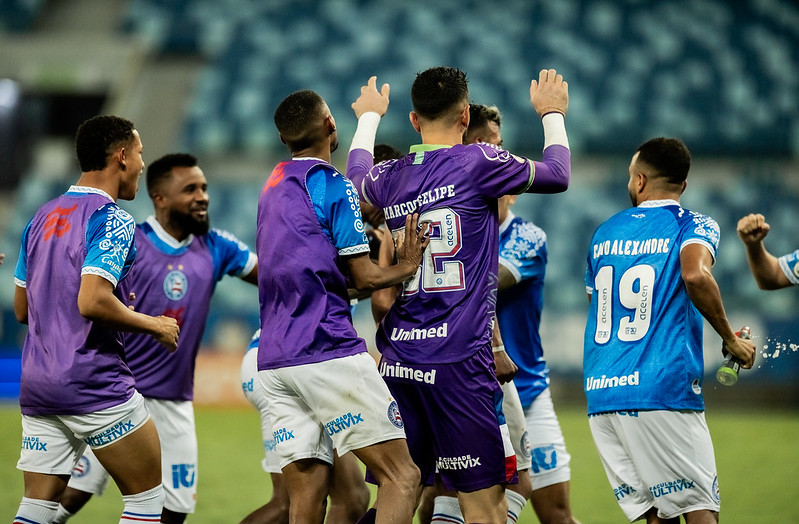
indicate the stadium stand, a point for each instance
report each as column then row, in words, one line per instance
column 722, row 75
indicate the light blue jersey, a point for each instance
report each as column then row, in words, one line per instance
column 523, row 252
column 790, row 266
column 643, row 338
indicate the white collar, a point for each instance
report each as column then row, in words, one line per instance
column 659, row 203
column 87, row 189
column 168, row 239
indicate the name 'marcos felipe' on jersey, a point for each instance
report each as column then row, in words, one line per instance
column 444, row 312
column 643, row 337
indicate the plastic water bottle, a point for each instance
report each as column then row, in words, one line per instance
column 727, row 374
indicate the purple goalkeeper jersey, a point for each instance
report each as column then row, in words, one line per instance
column 71, row 365
column 444, row 313
column 304, row 230
column 176, row 279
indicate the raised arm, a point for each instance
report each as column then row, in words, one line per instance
column 369, row 107
column 765, row 267
column 549, row 97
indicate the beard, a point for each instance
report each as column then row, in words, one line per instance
column 633, row 198
column 191, row 225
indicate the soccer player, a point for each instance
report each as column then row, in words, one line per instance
column 180, row 260
column 436, row 338
column 769, row 271
column 522, row 263
column 349, row 496
column 323, row 386
column 76, row 388
column 650, row 283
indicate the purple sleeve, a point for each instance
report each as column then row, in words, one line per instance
column 359, row 162
column 552, row 173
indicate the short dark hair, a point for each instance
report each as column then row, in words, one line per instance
column 160, row 169
column 438, row 90
column 479, row 117
column 669, row 157
column 100, row 136
column 386, row 152
column 296, row 118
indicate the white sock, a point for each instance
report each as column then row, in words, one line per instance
column 62, row 516
column 35, row 511
column 515, row 505
column 144, row 506
column 447, row 510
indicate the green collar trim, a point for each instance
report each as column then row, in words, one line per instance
column 421, row 149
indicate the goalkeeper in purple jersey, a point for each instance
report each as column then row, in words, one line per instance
column 436, row 338
column 770, row 272
column 76, row 389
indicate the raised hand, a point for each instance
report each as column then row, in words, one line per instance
column 371, row 99
column 753, row 228
column 550, row 94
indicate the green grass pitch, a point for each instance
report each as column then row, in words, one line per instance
column 757, row 453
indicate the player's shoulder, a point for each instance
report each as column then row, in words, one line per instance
column 115, row 216
column 698, row 221
column 527, row 230
column 482, row 151
column 221, row 236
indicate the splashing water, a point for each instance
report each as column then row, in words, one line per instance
column 773, row 349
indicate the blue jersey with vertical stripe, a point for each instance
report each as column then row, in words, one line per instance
column 523, row 252
column 643, row 337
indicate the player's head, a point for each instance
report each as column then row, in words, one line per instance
column 304, row 120
column 386, row 152
column 99, row 137
column 108, row 140
column 440, row 94
column 659, row 165
column 484, row 125
column 179, row 192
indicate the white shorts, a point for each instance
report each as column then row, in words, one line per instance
column 341, row 403
column 514, row 417
column 549, row 458
column 174, row 421
column 255, row 393
column 89, row 475
column 53, row 444
column 661, row 459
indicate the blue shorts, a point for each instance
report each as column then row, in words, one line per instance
column 453, row 421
